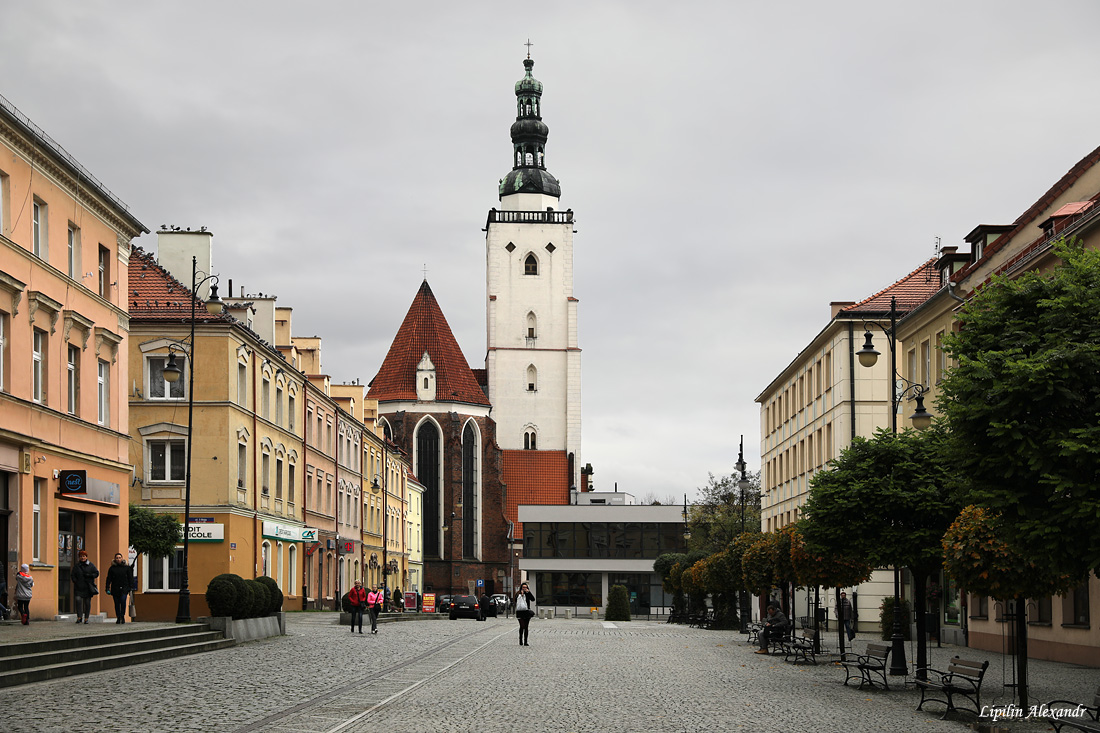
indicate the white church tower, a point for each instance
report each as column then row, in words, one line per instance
column 533, row 361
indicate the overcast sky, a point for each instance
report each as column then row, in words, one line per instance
column 733, row 167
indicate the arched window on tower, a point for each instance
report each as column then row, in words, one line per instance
column 531, row 265
column 428, row 471
column 532, row 378
column 529, row 439
column 528, row 159
column 540, row 159
column 469, row 492
column 519, row 158
column 532, row 331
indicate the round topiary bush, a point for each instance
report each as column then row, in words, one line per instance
column 260, row 599
column 345, row 603
column 274, row 595
column 244, row 601
column 618, row 604
column 221, row 596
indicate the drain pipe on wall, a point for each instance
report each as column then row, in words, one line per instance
column 852, row 378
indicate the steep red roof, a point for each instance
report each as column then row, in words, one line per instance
column 910, row 291
column 425, row 329
column 154, row 295
column 534, row 477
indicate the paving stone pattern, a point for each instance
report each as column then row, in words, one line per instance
column 457, row 676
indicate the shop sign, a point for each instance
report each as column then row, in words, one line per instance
column 309, row 534
column 206, row 532
column 73, row 482
column 287, row 532
column 345, row 546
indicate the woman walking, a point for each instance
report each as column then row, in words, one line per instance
column 84, row 575
column 24, row 584
column 118, row 586
column 374, row 604
column 524, row 603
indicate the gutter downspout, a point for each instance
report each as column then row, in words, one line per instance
column 257, row 536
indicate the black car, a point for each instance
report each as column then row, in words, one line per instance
column 488, row 607
column 466, row 607
column 443, row 604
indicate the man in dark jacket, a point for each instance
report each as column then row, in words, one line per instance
column 118, row 586
column 84, row 574
column 774, row 627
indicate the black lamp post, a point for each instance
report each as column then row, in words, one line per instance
column 172, row 373
column 743, row 485
column 921, row 419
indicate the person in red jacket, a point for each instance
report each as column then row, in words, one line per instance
column 357, row 597
column 374, row 604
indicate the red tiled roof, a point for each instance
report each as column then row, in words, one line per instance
column 1044, row 202
column 155, row 295
column 534, row 477
column 910, row 291
column 425, row 329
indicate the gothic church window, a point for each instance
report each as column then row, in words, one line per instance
column 530, row 265
column 532, row 378
column 428, row 471
column 531, row 326
column 529, row 440
column 469, row 491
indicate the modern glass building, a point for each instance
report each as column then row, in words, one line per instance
column 572, row 555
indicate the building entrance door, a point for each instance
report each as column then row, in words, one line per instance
column 70, row 541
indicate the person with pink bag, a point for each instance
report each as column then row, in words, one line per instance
column 374, row 605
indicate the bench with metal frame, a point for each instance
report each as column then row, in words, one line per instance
column 1088, row 720
column 963, row 679
column 802, row 648
column 872, row 663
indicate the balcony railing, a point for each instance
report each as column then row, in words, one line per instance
column 530, row 217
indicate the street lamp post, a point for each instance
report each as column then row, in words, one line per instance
column 172, row 373
column 921, row 419
column 743, row 485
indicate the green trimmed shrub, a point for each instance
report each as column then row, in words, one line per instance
column 243, row 604
column 275, row 596
column 618, row 604
column 246, row 596
column 221, row 596
column 260, row 598
column 886, row 618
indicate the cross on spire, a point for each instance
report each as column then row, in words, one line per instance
column 425, row 272
column 528, row 44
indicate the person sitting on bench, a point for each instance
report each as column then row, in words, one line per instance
column 774, row 627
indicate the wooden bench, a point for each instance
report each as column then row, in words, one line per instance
column 1077, row 716
column 867, row 666
column 963, row 679
column 801, row 648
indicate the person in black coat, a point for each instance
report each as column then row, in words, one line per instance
column 524, row 605
column 84, row 574
column 118, row 586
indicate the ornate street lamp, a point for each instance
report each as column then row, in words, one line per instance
column 172, row 373
column 743, row 599
column 868, row 357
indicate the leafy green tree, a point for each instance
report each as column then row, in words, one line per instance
column 981, row 560
column 1023, row 406
column 887, row 501
column 152, row 533
column 717, row 517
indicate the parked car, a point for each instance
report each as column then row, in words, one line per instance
column 500, row 601
column 488, row 607
column 466, row 607
column 443, row 605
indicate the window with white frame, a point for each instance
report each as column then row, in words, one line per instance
column 72, row 255
column 290, row 412
column 292, row 567
column 265, row 399
column 158, row 387
column 38, row 366
column 278, row 405
column 39, row 238
column 279, row 479
column 5, row 207
column 265, row 466
column 164, row 573
column 309, row 426
column 290, row 484
column 72, row 376
column 104, row 271
column 279, row 565
column 37, row 531
column 167, row 460
column 3, row 351
column 242, row 385
column 265, row 558
column 103, row 391
column 242, row 465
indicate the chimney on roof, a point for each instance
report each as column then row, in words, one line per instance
column 838, row 305
column 175, row 250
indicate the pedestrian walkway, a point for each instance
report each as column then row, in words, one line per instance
column 438, row 675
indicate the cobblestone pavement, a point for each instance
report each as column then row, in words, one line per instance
column 439, row 675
